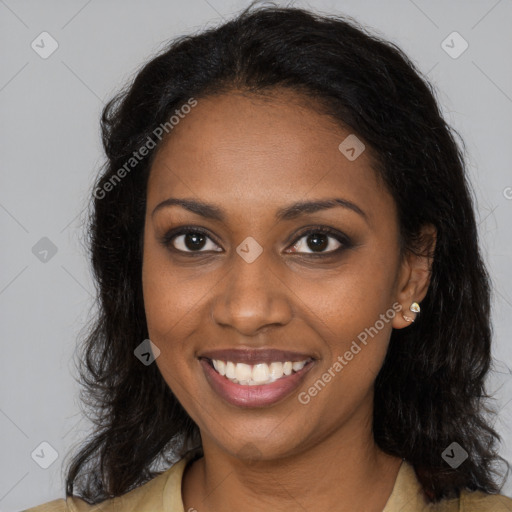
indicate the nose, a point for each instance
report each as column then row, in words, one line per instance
column 252, row 298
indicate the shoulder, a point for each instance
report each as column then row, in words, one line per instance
column 480, row 502
column 51, row 506
column 160, row 494
column 408, row 495
column 475, row 501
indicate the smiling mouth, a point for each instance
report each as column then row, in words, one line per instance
column 256, row 374
column 261, row 377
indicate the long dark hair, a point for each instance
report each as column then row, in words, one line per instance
column 430, row 390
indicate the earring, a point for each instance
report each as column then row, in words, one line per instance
column 415, row 308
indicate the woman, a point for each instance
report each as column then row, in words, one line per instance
column 286, row 216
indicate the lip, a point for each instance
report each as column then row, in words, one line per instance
column 251, row 356
column 263, row 395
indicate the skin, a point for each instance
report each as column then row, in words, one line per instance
column 250, row 156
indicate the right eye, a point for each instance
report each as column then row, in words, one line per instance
column 190, row 241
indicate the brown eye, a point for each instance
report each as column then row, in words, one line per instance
column 193, row 241
column 316, row 242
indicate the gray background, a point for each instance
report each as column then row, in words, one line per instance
column 50, row 152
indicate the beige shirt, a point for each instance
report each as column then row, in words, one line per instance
column 163, row 494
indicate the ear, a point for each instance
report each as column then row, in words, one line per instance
column 414, row 276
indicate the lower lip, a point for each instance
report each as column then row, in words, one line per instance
column 253, row 396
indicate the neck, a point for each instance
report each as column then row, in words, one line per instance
column 343, row 472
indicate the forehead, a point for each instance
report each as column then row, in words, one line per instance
column 258, row 150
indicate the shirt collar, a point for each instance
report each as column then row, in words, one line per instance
column 407, row 492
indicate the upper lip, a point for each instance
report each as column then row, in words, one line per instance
column 255, row 356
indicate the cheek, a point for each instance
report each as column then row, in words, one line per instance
column 171, row 298
column 351, row 297
column 358, row 345
column 352, row 309
column 174, row 305
column 169, row 307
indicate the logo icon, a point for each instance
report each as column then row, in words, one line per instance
column 147, row 352
column 351, row 147
column 44, row 250
column 250, row 453
column 249, row 249
column 44, row 455
column 455, row 455
column 454, row 45
column 44, row 45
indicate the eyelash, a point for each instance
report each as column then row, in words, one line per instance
column 345, row 242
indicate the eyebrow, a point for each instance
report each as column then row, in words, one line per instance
column 290, row 212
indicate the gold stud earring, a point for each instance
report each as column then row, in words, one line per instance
column 415, row 308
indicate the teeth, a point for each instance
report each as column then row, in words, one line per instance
column 243, row 372
column 261, row 373
column 276, row 370
column 221, row 367
column 230, row 370
column 297, row 366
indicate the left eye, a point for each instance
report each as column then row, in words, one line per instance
column 316, row 242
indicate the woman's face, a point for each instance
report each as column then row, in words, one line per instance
column 253, row 291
